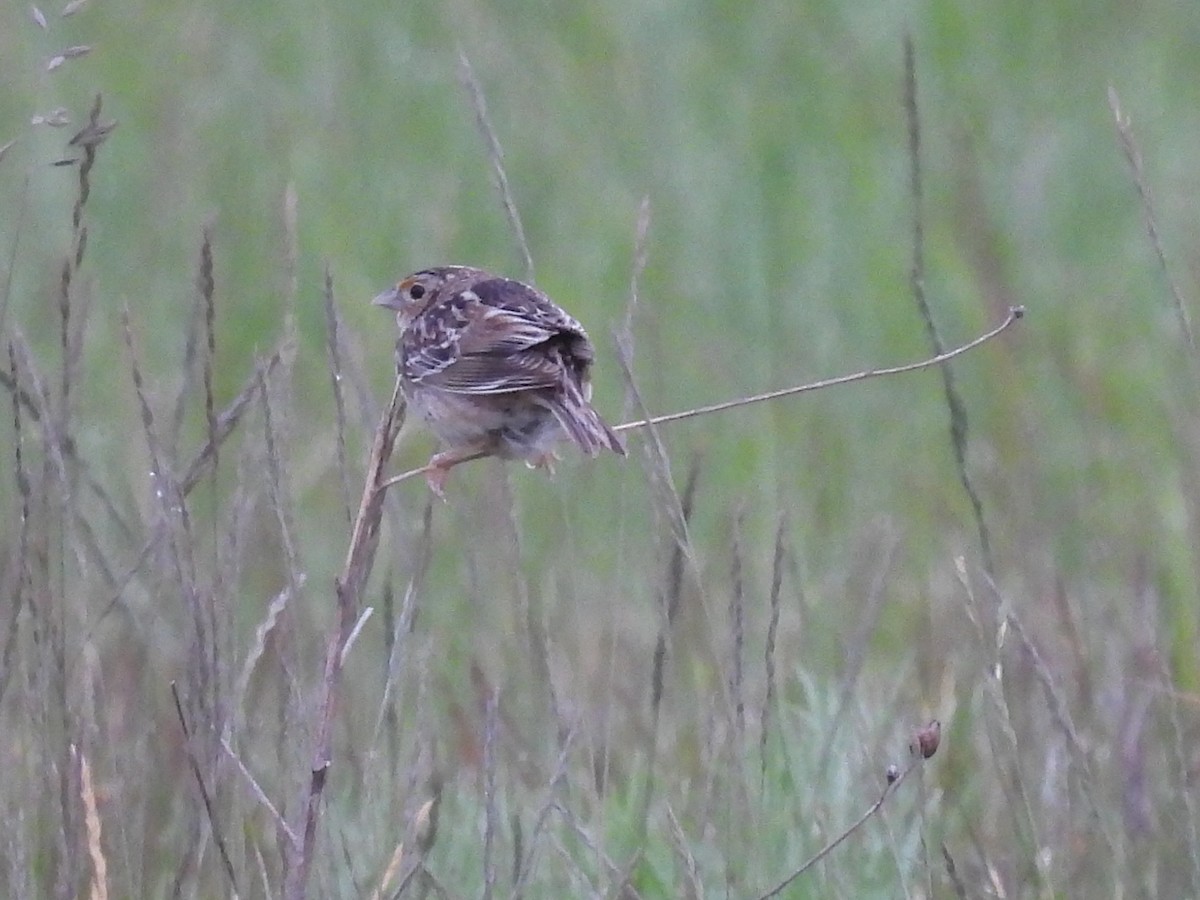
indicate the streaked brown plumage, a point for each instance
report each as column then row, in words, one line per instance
column 494, row 368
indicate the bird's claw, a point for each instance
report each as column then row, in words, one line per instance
column 435, row 477
column 544, row 461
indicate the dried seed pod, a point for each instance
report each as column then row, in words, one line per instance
column 926, row 740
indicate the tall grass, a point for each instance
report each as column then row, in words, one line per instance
column 231, row 665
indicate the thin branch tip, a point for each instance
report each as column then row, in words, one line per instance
column 1014, row 313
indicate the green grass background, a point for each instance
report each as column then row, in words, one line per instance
column 770, row 141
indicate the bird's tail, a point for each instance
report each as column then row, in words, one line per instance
column 584, row 425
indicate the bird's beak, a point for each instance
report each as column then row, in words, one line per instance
column 389, row 299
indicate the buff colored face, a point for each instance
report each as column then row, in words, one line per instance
column 414, row 292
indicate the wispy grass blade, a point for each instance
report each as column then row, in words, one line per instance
column 491, row 727
column 205, row 795
column 1133, row 156
column 954, row 403
column 207, row 289
column 20, row 581
column 360, row 556
column 768, row 707
column 1006, row 750
column 333, row 352
column 495, row 154
column 737, row 626
column 858, row 644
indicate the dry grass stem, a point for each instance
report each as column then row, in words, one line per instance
column 355, row 631
column 535, row 630
column 226, row 423
column 206, row 283
column 91, row 824
column 737, row 626
column 22, row 561
column 1060, row 715
column 259, row 794
column 1179, row 745
column 491, row 728
column 187, row 369
column 695, row 886
column 399, row 627
column 960, row 889
column 991, row 634
column 258, row 646
column 523, row 859
column 648, row 421
column 395, row 861
column 75, row 52
column 856, row 648
column 593, row 846
column 768, row 706
column 69, row 466
column 279, row 493
column 954, row 402
column 228, row 420
column 1015, row 313
column 623, row 888
column 291, row 247
column 495, row 153
column 424, row 830
column 670, row 597
column 360, row 555
column 677, row 510
column 334, row 352
column 18, row 227
column 893, row 784
column 624, row 335
column 673, row 510
column 73, row 7
column 205, row 796
column 174, row 525
column 518, row 848
column 70, row 346
column 1133, row 156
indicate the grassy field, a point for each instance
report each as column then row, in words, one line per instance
column 683, row 674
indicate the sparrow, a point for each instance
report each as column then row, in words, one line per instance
column 493, row 367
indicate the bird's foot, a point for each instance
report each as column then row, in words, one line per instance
column 437, row 470
column 435, row 476
column 545, row 461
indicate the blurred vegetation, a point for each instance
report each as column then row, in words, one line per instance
column 770, row 142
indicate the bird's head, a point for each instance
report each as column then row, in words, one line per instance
column 413, row 293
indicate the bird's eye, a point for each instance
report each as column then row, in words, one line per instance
column 417, row 291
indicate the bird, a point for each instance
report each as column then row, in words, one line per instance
column 493, row 367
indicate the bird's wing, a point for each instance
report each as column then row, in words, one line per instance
column 495, row 337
